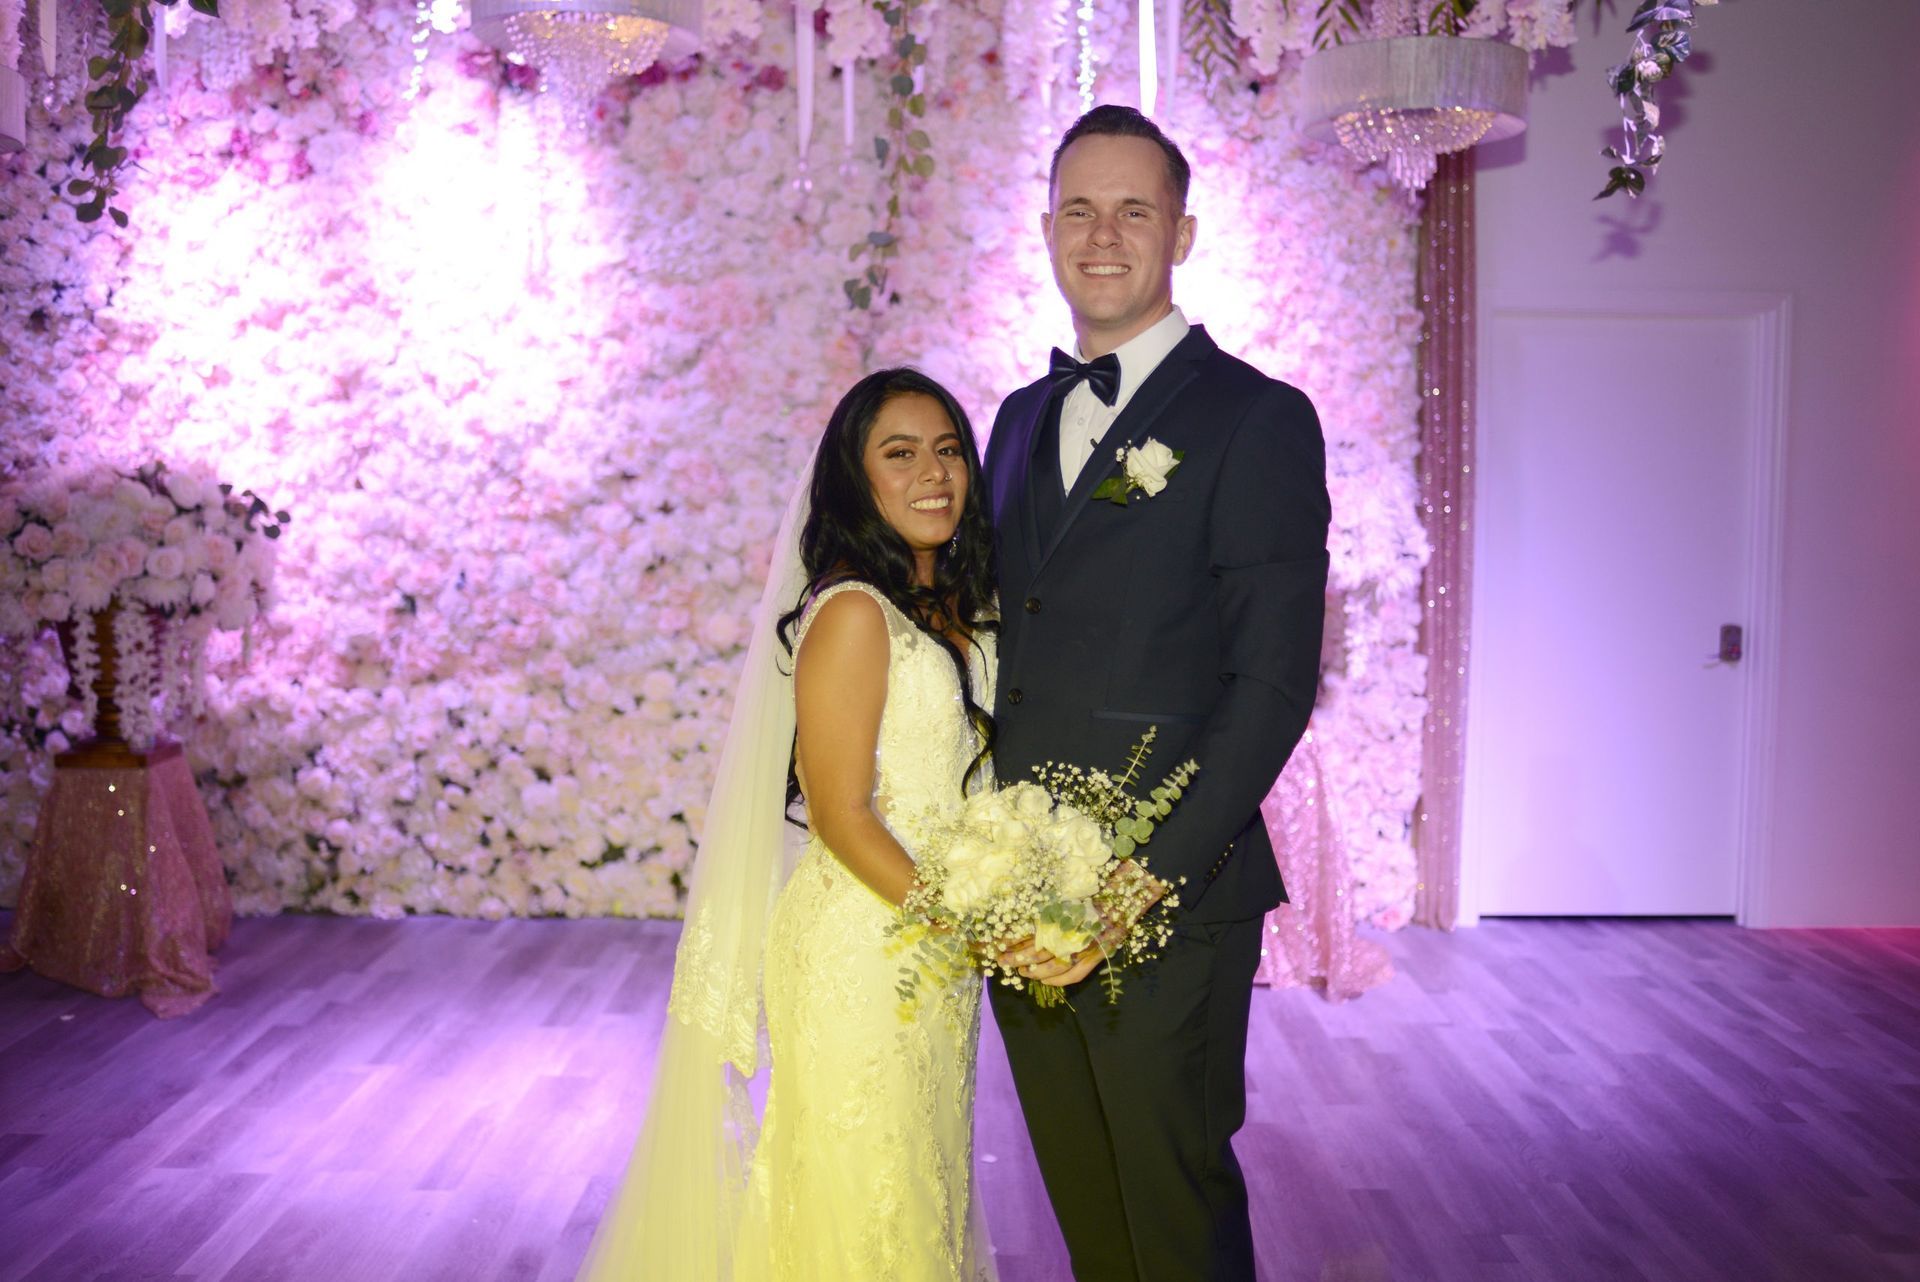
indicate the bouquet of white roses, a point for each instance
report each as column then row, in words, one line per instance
column 1041, row 860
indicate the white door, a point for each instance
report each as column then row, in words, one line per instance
column 1621, row 495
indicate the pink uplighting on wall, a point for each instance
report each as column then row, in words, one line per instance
column 535, row 398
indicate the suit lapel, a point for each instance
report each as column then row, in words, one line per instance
column 1016, row 501
column 1130, row 428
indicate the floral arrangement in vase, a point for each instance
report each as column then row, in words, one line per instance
column 170, row 554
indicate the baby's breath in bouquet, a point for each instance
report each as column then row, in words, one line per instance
column 1046, row 860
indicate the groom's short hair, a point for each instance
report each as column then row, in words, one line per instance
column 1113, row 120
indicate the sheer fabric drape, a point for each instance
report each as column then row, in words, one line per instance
column 1314, row 940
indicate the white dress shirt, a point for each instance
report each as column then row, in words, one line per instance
column 1084, row 420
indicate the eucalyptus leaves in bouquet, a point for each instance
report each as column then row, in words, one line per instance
column 1058, row 860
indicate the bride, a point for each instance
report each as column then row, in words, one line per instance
column 867, row 676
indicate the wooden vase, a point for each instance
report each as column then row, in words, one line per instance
column 109, row 746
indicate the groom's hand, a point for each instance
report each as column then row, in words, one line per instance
column 1144, row 890
column 1082, row 964
column 1132, row 882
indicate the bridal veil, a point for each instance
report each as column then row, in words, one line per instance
column 677, row 1210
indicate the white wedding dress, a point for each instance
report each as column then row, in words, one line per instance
column 864, row 1168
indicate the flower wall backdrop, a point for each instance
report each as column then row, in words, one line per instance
column 535, row 398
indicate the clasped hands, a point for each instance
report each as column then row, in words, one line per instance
column 1036, row 963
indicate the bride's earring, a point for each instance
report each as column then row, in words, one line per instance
column 953, row 544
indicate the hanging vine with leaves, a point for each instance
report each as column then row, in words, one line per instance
column 1662, row 40
column 117, row 83
column 1210, row 39
column 905, row 153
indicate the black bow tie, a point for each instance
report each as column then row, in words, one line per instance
column 1102, row 374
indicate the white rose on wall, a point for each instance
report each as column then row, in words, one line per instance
column 70, row 539
column 34, row 543
column 166, row 562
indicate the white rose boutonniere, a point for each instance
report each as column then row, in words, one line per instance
column 1146, row 466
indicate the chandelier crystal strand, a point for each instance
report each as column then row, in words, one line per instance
column 134, row 673
column 179, row 674
column 166, row 677
column 86, row 670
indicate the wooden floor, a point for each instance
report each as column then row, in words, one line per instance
column 436, row 1099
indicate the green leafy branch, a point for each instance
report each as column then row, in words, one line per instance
column 904, row 151
column 1446, row 17
column 1333, row 20
column 117, row 86
column 1210, row 40
column 1138, row 757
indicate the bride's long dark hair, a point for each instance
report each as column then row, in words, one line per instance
column 846, row 537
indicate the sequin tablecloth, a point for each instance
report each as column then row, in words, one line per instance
column 1314, row 940
column 123, row 890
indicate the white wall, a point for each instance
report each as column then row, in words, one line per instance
column 1793, row 168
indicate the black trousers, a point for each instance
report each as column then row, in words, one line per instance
column 1133, row 1106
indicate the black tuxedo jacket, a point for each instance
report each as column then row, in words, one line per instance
column 1197, row 610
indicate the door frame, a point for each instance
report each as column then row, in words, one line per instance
column 1768, row 318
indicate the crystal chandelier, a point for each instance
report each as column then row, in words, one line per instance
column 1412, row 99
column 579, row 45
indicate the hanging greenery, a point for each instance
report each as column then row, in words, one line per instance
column 1210, row 39
column 117, row 83
column 1662, row 40
column 905, row 152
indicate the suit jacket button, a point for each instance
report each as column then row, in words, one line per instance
column 1014, row 696
column 1033, row 605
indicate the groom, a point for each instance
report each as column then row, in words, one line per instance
column 1195, row 608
